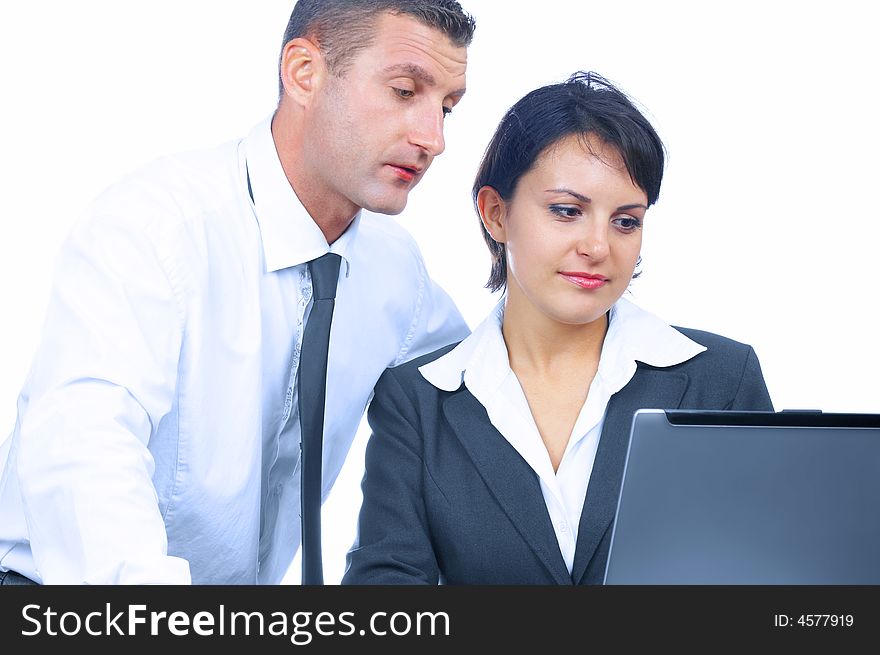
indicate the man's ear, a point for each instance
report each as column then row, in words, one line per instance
column 493, row 212
column 303, row 69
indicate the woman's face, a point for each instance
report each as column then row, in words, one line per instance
column 572, row 231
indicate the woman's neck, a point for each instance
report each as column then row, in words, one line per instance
column 555, row 364
column 540, row 344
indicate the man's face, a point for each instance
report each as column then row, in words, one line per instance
column 374, row 131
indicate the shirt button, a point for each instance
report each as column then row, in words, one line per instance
column 563, row 527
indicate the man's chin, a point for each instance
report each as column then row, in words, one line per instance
column 386, row 206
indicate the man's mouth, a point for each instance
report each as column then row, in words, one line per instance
column 406, row 172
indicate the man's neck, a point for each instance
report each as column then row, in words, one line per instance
column 330, row 215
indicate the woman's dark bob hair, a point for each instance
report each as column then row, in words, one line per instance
column 585, row 104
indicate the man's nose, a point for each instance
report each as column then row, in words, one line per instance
column 427, row 132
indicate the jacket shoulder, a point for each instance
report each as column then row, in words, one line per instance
column 715, row 343
column 724, row 362
column 409, row 370
column 405, row 379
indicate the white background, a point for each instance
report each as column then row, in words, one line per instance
column 767, row 227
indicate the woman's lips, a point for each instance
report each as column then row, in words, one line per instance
column 585, row 280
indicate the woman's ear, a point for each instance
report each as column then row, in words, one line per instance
column 302, row 70
column 493, row 212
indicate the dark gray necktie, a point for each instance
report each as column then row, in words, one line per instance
column 311, row 386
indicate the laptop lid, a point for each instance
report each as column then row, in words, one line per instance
column 722, row 497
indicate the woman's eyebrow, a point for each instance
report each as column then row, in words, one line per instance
column 587, row 200
column 577, row 195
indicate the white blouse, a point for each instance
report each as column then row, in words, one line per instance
column 481, row 361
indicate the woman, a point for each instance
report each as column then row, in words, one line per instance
column 498, row 460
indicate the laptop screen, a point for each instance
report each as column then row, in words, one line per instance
column 749, row 498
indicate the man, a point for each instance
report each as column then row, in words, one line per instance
column 158, row 436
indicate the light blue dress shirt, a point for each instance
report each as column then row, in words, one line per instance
column 150, row 444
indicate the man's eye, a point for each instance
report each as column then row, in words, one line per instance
column 404, row 93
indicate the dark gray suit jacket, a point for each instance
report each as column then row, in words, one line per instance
column 448, row 500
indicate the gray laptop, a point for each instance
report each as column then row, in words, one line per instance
column 733, row 498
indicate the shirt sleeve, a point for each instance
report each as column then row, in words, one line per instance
column 436, row 322
column 103, row 377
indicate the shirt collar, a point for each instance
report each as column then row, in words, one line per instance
column 289, row 234
column 633, row 335
column 454, row 368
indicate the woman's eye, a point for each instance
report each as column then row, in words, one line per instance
column 628, row 223
column 565, row 211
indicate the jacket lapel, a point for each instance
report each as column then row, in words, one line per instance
column 509, row 478
column 649, row 389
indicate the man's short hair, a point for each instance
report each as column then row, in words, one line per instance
column 341, row 28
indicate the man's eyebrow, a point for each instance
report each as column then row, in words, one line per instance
column 419, row 73
column 414, row 70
